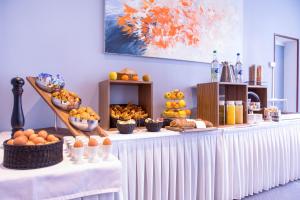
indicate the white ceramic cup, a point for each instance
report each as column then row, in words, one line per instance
column 78, row 154
column 93, row 153
column 70, row 145
column 106, row 151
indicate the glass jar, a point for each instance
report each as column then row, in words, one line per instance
column 238, row 112
column 230, row 113
column 221, row 112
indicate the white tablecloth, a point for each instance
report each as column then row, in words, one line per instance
column 62, row 181
column 250, row 160
column 167, row 165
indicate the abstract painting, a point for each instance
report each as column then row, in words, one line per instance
column 175, row 29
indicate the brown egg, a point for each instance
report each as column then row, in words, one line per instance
column 28, row 132
column 93, row 142
column 30, row 143
column 78, row 144
column 52, row 138
column 38, row 140
column 10, row 142
column 33, row 136
column 43, row 134
column 18, row 133
column 21, row 140
column 107, row 141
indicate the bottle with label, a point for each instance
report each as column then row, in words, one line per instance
column 215, row 68
column 239, row 112
column 238, row 69
column 221, row 112
column 230, row 113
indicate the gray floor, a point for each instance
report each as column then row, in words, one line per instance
column 290, row 191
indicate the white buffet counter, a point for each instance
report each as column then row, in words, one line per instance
column 167, row 165
column 228, row 163
column 223, row 164
column 257, row 158
column 87, row 181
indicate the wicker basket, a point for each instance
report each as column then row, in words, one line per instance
column 154, row 126
column 32, row 157
column 126, row 128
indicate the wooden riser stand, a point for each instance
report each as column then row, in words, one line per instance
column 62, row 115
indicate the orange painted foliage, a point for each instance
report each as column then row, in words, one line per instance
column 165, row 26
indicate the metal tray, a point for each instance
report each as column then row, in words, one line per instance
column 66, row 106
column 84, row 125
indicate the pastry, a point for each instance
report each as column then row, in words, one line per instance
column 183, row 123
column 85, row 113
column 127, row 112
column 67, row 97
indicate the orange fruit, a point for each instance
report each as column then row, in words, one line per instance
column 10, row 142
column 188, row 112
column 18, row 133
column 78, row 144
column 33, row 136
column 135, row 78
column 146, row 78
column 52, row 138
column 21, row 140
column 93, row 142
column 125, row 77
column 107, row 141
column 43, row 134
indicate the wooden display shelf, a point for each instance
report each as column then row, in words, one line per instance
column 63, row 115
column 208, row 97
column 145, row 98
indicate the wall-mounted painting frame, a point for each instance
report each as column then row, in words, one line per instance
column 174, row 29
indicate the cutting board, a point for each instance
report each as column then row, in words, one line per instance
column 190, row 130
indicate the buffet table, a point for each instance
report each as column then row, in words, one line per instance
column 253, row 159
column 223, row 164
column 62, row 181
column 228, row 163
column 167, row 164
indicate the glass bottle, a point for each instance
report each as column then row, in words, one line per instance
column 221, row 112
column 230, row 113
column 215, row 68
column 238, row 69
column 238, row 112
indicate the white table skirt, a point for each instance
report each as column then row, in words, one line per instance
column 167, row 165
column 250, row 160
column 87, row 181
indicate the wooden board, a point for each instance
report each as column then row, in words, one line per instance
column 63, row 115
column 190, row 130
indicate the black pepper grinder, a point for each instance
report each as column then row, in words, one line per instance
column 17, row 117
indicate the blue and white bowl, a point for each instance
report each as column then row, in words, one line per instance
column 50, row 83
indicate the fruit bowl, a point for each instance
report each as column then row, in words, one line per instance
column 126, row 127
column 65, row 105
column 154, row 125
column 50, row 83
column 83, row 124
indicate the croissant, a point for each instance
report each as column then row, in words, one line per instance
column 183, row 123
